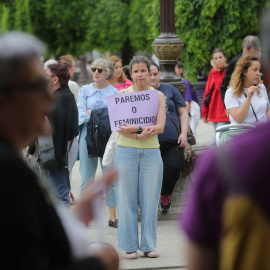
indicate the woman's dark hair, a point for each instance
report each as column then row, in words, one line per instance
column 61, row 72
column 179, row 64
column 218, row 50
column 139, row 59
column 154, row 64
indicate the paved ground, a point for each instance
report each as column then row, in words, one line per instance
column 170, row 240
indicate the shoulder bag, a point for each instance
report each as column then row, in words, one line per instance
column 47, row 161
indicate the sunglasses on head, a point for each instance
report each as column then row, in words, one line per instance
column 98, row 69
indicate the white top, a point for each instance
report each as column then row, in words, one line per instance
column 259, row 103
column 74, row 88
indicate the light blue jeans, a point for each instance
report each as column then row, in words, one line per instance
column 88, row 165
column 140, row 179
column 216, row 125
column 111, row 195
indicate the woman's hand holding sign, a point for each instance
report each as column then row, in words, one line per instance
column 129, row 128
column 147, row 133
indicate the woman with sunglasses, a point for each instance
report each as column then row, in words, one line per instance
column 92, row 97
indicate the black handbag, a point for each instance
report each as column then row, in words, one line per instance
column 208, row 97
column 47, row 161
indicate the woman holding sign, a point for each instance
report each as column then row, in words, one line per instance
column 140, row 168
column 174, row 136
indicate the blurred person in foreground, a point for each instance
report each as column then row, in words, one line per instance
column 227, row 219
column 119, row 79
column 34, row 233
column 70, row 63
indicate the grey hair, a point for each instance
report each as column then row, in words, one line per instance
column 251, row 42
column 49, row 62
column 106, row 64
column 19, row 44
column 16, row 50
column 265, row 34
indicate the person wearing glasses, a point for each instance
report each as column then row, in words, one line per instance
column 92, row 97
column 49, row 237
column 70, row 63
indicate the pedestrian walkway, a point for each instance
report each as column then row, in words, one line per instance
column 170, row 241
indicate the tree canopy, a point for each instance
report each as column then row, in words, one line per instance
column 75, row 27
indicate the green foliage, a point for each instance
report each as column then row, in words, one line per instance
column 69, row 26
column 143, row 28
column 107, row 26
column 204, row 25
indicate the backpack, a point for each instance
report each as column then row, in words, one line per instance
column 98, row 132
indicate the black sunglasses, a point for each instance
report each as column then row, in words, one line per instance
column 98, row 69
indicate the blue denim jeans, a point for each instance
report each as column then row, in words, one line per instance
column 60, row 184
column 111, row 195
column 88, row 165
column 140, row 179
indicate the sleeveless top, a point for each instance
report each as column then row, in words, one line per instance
column 151, row 142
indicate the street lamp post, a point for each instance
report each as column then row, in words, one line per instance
column 168, row 46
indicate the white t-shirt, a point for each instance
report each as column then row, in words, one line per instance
column 259, row 103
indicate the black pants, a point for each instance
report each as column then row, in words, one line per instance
column 172, row 166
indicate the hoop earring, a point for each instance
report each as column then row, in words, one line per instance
column 245, row 77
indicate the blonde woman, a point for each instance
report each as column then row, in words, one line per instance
column 246, row 100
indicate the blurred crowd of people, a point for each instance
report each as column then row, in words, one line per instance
column 60, row 123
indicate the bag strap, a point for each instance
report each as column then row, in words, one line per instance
column 124, row 83
column 213, row 87
column 252, row 109
column 179, row 132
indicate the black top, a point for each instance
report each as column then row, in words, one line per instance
column 63, row 117
column 228, row 74
column 31, row 234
